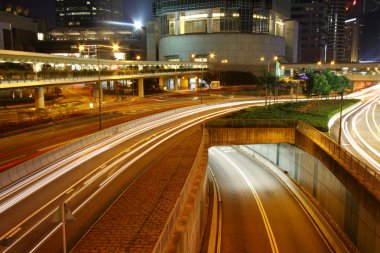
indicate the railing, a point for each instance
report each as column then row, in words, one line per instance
column 179, row 205
column 368, row 175
column 254, row 123
column 12, row 83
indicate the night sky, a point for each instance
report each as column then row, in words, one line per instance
column 134, row 9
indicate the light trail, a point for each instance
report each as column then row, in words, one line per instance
column 272, row 239
column 84, row 155
column 352, row 120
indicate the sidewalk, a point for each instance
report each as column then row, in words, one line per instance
column 134, row 223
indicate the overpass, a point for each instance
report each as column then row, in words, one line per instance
column 72, row 70
column 358, row 73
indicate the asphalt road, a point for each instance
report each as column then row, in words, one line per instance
column 259, row 214
column 19, row 147
column 88, row 181
column 361, row 128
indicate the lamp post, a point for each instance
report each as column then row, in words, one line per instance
column 340, row 119
column 114, row 48
column 262, row 59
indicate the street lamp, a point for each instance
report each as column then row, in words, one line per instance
column 114, row 47
column 262, row 59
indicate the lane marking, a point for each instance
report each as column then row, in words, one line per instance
column 272, row 239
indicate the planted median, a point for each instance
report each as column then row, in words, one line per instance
column 315, row 113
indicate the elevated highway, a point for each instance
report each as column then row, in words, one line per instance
column 73, row 70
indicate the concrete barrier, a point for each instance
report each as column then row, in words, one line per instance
column 41, row 162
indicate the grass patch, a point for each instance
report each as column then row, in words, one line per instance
column 315, row 113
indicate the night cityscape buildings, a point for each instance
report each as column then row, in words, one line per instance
column 87, row 13
column 93, row 23
column 313, row 28
column 243, row 32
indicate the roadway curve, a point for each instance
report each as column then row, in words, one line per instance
column 361, row 128
column 89, row 180
column 259, row 214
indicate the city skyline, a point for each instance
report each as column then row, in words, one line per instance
column 135, row 10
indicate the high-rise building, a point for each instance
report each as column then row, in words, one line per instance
column 87, row 13
column 241, row 31
column 362, row 31
column 336, row 23
column 312, row 16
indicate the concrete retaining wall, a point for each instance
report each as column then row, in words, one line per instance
column 354, row 216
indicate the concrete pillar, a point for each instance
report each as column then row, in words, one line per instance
column 196, row 83
column 209, row 21
column 177, row 24
column 39, row 98
column 175, row 83
column 161, row 83
column 184, row 83
column 108, row 85
column 141, row 87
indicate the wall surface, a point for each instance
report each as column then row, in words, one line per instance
column 360, row 223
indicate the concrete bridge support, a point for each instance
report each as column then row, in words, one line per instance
column 175, row 83
column 184, row 83
column 39, row 98
column 140, row 84
column 161, row 83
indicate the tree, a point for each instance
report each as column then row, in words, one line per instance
column 320, row 85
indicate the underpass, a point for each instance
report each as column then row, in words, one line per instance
column 259, row 212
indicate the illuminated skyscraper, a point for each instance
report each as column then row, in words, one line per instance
column 87, row 13
column 336, row 38
column 246, row 32
column 312, row 16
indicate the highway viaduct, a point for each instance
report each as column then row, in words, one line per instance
column 171, row 75
column 361, row 75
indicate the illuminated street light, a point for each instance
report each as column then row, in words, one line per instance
column 138, row 57
column 114, row 47
column 262, row 59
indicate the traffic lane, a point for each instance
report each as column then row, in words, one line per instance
column 91, row 206
column 61, row 185
column 242, row 228
column 357, row 137
column 292, row 227
column 25, row 146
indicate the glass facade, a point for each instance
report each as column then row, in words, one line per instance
column 86, row 13
column 221, row 16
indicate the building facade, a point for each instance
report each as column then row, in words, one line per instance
column 87, row 13
column 312, row 16
column 20, row 33
column 96, row 25
column 240, row 32
column 336, row 38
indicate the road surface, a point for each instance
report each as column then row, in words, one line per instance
column 259, row 214
column 89, row 180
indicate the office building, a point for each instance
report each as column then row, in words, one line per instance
column 242, row 33
column 336, row 23
column 312, row 16
column 87, row 13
